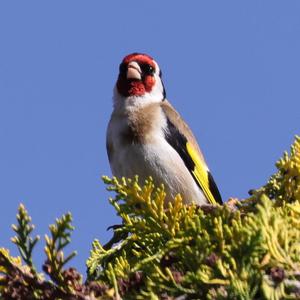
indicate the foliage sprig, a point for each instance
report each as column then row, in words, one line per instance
column 60, row 238
column 23, row 240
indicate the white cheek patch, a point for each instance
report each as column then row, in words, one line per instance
column 157, row 69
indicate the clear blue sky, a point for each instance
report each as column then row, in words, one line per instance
column 231, row 68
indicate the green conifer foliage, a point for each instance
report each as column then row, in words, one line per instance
column 248, row 249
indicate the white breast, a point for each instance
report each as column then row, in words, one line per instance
column 155, row 158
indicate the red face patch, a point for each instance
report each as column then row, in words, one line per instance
column 129, row 87
column 139, row 58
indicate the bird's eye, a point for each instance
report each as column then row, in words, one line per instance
column 147, row 69
column 122, row 68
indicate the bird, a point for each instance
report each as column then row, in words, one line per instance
column 146, row 136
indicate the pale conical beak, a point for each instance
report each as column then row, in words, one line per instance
column 134, row 71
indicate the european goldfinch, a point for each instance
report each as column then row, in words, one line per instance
column 146, row 136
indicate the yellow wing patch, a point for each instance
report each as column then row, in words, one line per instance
column 201, row 174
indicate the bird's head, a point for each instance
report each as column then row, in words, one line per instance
column 139, row 80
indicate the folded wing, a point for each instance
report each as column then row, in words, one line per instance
column 180, row 137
